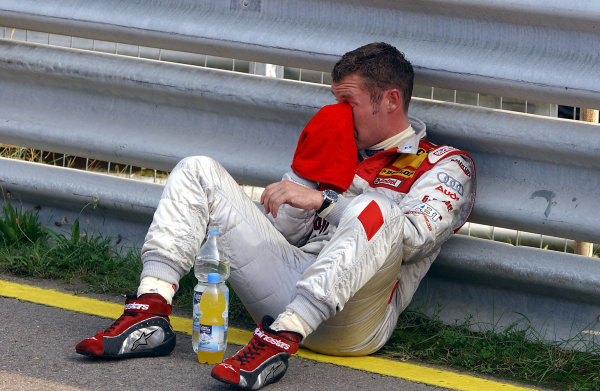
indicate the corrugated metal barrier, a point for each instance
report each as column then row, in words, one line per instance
column 535, row 173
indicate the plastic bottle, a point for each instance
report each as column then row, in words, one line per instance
column 208, row 261
column 211, row 345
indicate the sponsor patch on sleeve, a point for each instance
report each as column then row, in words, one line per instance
column 439, row 153
column 428, row 211
column 462, row 166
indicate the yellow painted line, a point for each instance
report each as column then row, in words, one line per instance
column 412, row 372
column 415, row 373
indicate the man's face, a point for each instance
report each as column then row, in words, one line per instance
column 368, row 119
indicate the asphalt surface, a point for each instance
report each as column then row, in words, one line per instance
column 37, row 353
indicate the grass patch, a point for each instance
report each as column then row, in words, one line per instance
column 98, row 265
column 89, row 261
column 28, row 249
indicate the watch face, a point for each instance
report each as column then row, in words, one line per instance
column 331, row 195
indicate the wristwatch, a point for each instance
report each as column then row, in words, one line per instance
column 330, row 197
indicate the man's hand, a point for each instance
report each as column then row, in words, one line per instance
column 287, row 192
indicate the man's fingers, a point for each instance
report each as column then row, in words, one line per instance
column 275, row 198
column 267, row 199
column 286, row 192
column 262, row 197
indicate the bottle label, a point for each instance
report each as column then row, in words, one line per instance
column 212, row 338
column 197, row 313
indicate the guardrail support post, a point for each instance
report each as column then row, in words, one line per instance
column 585, row 248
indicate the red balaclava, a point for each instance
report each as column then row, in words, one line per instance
column 326, row 150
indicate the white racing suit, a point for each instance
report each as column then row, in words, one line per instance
column 348, row 276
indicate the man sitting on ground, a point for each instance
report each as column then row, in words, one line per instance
column 344, row 243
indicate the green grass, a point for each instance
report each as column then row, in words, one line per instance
column 511, row 353
column 95, row 264
column 91, row 262
column 29, row 249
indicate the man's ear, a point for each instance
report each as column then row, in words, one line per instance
column 394, row 100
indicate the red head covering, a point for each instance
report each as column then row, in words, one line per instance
column 326, row 150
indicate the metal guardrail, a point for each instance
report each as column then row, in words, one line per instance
column 534, row 173
column 545, row 51
column 110, row 105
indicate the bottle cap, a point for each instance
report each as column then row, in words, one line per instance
column 212, row 232
column 214, row 278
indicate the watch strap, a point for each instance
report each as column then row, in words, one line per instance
column 327, row 205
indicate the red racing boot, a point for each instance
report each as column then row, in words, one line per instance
column 144, row 329
column 263, row 361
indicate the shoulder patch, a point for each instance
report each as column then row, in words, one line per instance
column 438, row 154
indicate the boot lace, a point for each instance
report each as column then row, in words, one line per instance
column 121, row 318
column 250, row 352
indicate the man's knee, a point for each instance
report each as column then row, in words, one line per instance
column 202, row 170
column 195, row 163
